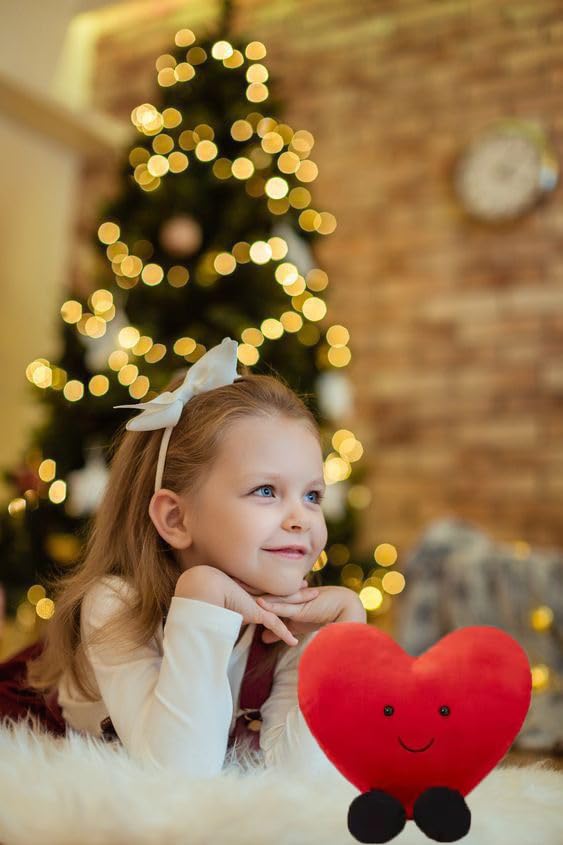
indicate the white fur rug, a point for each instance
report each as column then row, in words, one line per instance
column 64, row 791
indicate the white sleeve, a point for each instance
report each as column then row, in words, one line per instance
column 285, row 737
column 175, row 708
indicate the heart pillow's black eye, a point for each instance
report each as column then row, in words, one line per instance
column 444, row 710
column 388, row 710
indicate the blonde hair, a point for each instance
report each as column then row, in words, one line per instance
column 122, row 539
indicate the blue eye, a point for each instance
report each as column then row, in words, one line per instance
column 318, row 493
column 263, row 487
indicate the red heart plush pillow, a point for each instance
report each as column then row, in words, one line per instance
column 392, row 722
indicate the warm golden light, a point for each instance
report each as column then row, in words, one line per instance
column 128, row 337
column 255, row 51
column 45, row 608
column 336, row 469
column 385, row 554
column 178, row 276
column 272, row 142
column 247, row 354
column 393, row 583
column 540, row 677
column 314, row 308
column 184, row 346
column 42, row 376
column 178, row 162
column 317, row 279
column 102, row 301
column 257, row 93
column 371, row 598
column 276, row 187
column 35, row 593
column 152, row 274
column 222, row 50
column 253, row 337
column 184, row 72
column 320, row 562
column 57, row 492
column 98, row 385
column 541, row 618
column 71, row 311
column 291, row 321
column 156, row 353
column 73, row 390
column 206, row 150
column 225, row 263
column 131, row 266
column 17, row 506
column 47, row 470
column 339, row 357
column 257, row 73
column 171, row 118
column 260, row 252
column 242, row 168
column 162, row 144
column 128, row 374
column 241, row 130
column 184, row 37
column 271, row 328
column 157, row 165
column 108, row 233
column 338, row 335
column 286, row 273
column 117, row 359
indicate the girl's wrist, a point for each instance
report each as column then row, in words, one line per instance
column 197, row 584
column 353, row 612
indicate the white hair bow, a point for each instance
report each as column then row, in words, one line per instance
column 214, row 369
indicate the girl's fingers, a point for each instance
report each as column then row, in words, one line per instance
column 275, row 624
column 301, row 596
column 280, row 608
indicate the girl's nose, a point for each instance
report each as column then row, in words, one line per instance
column 296, row 519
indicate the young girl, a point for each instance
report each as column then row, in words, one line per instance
column 197, row 554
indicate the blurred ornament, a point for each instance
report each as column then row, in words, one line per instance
column 86, row 486
column 181, row 235
column 25, row 478
column 335, row 394
column 63, row 548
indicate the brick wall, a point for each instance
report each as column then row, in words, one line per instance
column 456, row 327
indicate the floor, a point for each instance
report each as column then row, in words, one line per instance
column 524, row 758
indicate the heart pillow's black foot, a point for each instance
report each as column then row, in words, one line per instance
column 442, row 814
column 376, row 816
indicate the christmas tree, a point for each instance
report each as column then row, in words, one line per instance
column 210, row 236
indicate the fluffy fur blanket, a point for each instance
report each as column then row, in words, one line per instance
column 77, row 789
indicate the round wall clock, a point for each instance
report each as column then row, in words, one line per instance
column 506, row 171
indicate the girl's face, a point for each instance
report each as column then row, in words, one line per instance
column 262, row 493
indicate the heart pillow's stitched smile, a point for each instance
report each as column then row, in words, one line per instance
column 401, row 724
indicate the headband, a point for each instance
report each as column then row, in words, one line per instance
column 214, row 369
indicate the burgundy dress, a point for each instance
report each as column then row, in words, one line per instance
column 17, row 700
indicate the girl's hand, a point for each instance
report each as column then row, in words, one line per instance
column 237, row 598
column 333, row 604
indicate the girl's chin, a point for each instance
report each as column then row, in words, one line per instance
column 252, row 590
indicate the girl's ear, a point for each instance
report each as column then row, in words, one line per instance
column 170, row 517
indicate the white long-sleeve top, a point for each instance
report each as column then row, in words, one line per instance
column 172, row 700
